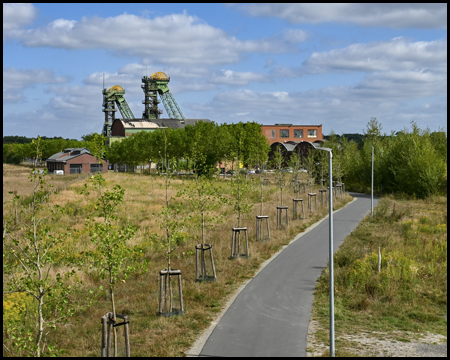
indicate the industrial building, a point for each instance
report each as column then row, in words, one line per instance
column 284, row 133
column 157, row 84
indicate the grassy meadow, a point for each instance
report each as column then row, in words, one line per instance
column 407, row 299
column 138, row 296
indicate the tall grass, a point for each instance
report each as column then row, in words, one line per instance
column 138, row 296
column 410, row 291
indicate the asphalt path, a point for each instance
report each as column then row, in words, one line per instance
column 270, row 316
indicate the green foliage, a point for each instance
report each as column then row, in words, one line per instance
column 202, row 146
column 12, row 154
column 277, row 162
column 414, row 164
column 16, row 140
column 112, row 258
column 32, row 261
column 111, row 250
column 411, row 162
column 409, row 293
column 203, row 195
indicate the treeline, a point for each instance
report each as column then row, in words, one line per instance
column 412, row 161
column 14, row 153
column 15, row 139
column 357, row 138
column 201, row 146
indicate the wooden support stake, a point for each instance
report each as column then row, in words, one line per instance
column 295, row 209
column 280, row 216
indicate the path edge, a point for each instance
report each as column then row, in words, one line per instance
column 196, row 348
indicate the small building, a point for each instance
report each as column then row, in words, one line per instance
column 75, row 161
column 288, row 132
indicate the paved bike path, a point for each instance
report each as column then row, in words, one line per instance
column 270, row 316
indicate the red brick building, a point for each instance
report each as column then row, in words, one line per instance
column 289, row 132
column 75, row 161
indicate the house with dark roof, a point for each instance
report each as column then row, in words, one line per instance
column 75, row 161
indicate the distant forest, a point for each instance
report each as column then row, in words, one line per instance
column 358, row 138
column 25, row 140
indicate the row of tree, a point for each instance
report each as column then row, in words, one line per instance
column 15, row 152
column 16, row 139
column 412, row 161
column 202, row 146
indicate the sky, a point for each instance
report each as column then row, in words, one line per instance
column 337, row 65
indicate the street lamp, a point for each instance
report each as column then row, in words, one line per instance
column 330, row 219
column 371, row 189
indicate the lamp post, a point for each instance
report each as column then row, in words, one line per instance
column 330, row 219
column 371, row 189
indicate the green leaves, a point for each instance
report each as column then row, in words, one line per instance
column 412, row 162
column 30, row 253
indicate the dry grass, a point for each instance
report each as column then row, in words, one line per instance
column 138, row 297
column 406, row 300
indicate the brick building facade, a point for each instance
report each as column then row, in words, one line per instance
column 289, row 132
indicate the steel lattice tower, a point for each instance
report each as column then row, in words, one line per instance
column 112, row 97
column 157, row 84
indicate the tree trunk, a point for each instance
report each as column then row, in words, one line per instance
column 40, row 323
column 114, row 318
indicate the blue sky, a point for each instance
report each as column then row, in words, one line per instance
column 332, row 64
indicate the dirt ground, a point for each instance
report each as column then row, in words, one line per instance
column 381, row 344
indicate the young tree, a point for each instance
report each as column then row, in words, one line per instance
column 295, row 163
column 169, row 221
column 203, row 195
column 240, row 185
column 310, row 164
column 112, row 257
column 33, row 256
column 373, row 129
column 278, row 162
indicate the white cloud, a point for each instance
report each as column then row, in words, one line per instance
column 230, row 77
column 12, row 96
column 171, row 39
column 348, row 107
column 295, row 35
column 400, row 15
column 16, row 80
column 16, row 16
column 20, row 79
column 73, row 111
column 401, row 85
column 380, row 56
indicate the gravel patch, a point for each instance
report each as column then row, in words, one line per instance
column 382, row 344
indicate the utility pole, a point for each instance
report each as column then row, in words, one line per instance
column 371, row 189
column 330, row 219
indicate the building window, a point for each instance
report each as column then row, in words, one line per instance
column 312, row 133
column 273, row 134
column 284, row 133
column 298, row 133
column 96, row 168
column 76, row 168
